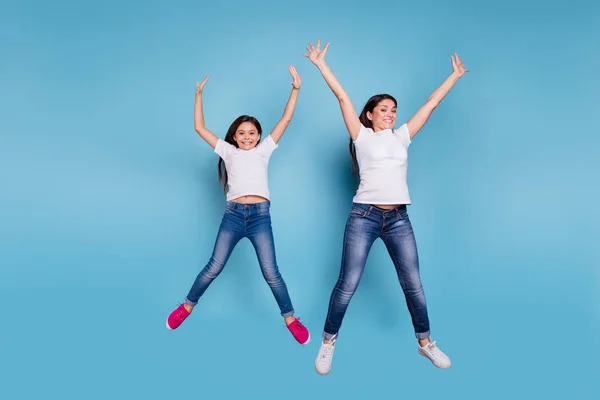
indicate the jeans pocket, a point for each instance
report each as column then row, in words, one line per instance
column 402, row 214
column 359, row 210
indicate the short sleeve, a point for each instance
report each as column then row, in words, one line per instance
column 404, row 135
column 361, row 132
column 224, row 149
column 267, row 146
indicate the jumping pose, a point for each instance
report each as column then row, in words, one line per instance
column 242, row 167
column 379, row 154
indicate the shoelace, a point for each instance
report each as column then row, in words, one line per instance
column 295, row 325
column 431, row 347
column 181, row 314
column 327, row 350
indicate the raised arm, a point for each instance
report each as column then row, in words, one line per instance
column 199, row 125
column 317, row 57
column 420, row 118
column 288, row 112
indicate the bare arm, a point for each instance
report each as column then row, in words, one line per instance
column 199, row 125
column 317, row 57
column 422, row 115
column 288, row 112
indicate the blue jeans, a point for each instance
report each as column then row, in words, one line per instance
column 365, row 224
column 254, row 222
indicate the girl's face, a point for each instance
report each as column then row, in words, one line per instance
column 383, row 115
column 246, row 136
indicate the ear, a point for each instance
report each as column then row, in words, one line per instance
column 369, row 116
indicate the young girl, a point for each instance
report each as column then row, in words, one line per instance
column 379, row 155
column 244, row 180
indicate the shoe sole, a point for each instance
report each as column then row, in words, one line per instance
column 321, row 373
column 307, row 341
column 167, row 324
column 437, row 366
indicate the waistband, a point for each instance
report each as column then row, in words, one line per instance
column 371, row 209
column 262, row 206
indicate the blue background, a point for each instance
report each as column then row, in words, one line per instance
column 110, row 202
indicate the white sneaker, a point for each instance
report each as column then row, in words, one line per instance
column 437, row 357
column 323, row 361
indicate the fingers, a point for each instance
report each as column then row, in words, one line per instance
column 325, row 49
column 460, row 63
column 201, row 85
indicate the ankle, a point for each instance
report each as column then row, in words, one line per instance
column 189, row 308
column 289, row 320
column 423, row 342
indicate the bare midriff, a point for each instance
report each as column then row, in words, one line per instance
column 251, row 199
column 387, row 206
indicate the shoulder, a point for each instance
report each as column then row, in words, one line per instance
column 364, row 131
column 223, row 148
column 267, row 145
column 403, row 133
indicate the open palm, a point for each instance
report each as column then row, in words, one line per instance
column 200, row 86
column 458, row 66
column 297, row 82
column 315, row 54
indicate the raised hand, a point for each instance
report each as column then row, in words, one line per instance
column 297, row 82
column 458, row 66
column 200, row 86
column 315, row 54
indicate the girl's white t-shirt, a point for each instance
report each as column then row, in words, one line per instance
column 247, row 169
column 382, row 160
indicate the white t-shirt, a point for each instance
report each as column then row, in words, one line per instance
column 382, row 160
column 247, row 169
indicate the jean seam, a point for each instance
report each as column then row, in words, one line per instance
column 340, row 277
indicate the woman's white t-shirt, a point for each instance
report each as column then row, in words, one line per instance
column 382, row 160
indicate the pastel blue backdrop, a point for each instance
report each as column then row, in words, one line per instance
column 110, row 203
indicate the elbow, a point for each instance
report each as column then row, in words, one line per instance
column 344, row 99
column 431, row 105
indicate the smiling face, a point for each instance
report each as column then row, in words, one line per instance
column 246, row 136
column 383, row 115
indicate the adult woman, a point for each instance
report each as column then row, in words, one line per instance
column 379, row 154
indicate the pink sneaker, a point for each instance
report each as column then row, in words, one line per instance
column 177, row 317
column 299, row 332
